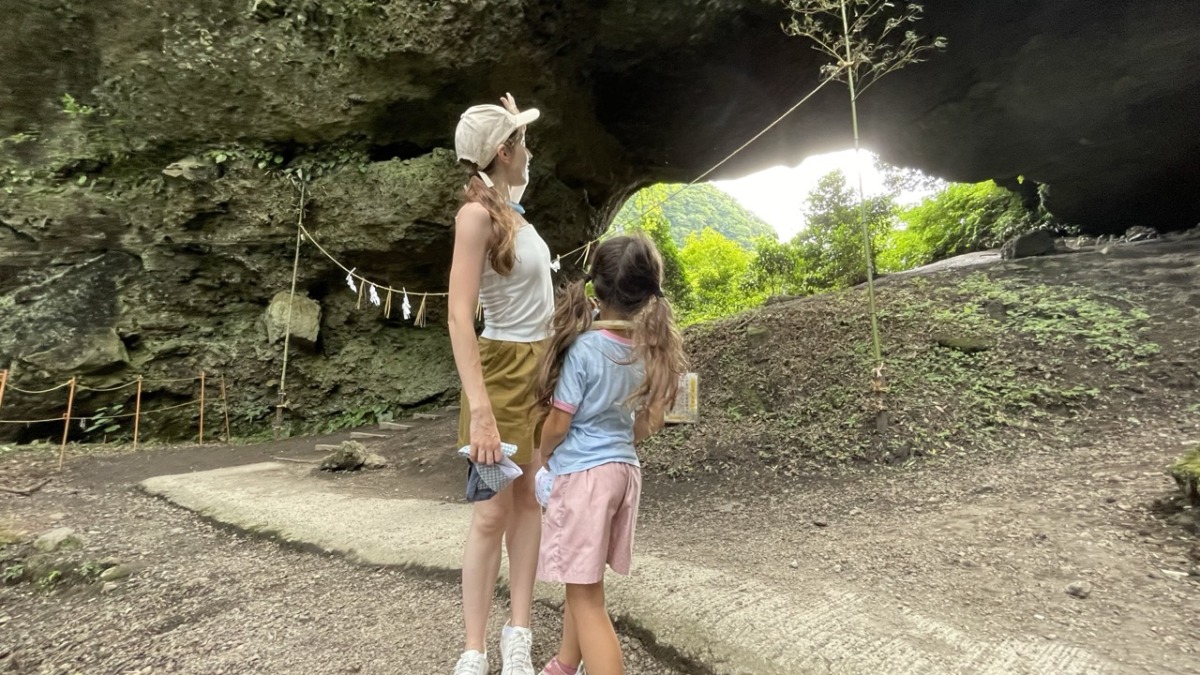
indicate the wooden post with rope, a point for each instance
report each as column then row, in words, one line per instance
column 225, row 409
column 62, row 450
column 287, row 329
column 137, row 412
column 3, row 383
column 201, row 407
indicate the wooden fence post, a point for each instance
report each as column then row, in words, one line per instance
column 62, row 451
column 137, row 412
column 202, row 407
column 225, row 409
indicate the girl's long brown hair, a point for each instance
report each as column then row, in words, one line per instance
column 502, row 252
column 627, row 276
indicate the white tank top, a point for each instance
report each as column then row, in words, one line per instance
column 518, row 307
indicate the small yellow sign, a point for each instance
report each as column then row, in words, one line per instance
column 687, row 401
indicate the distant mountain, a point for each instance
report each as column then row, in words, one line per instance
column 694, row 209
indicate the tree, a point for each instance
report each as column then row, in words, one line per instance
column 962, row 218
column 718, row 269
column 774, row 266
column 830, row 248
column 656, row 226
column 691, row 208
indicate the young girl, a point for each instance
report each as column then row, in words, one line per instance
column 606, row 390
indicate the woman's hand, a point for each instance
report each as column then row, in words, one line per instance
column 509, row 103
column 485, row 438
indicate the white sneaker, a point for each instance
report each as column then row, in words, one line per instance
column 516, row 651
column 472, row 663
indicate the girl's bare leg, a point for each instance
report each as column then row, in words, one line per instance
column 597, row 639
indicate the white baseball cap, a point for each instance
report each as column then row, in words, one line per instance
column 483, row 128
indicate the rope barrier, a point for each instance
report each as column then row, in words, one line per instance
column 64, row 385
column 104, row 389
column 37, row 392
column 143, row 413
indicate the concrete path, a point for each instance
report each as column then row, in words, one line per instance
column 736, row 626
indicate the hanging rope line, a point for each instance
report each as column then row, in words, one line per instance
column 585, row 248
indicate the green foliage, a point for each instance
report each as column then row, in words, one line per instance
column 50, row 579
column 1062, row 317
column 692, row 209
column 90, row 570
column 960, row 219
column 350, row 419
column 719, row 270
column 73, row 108
column 774, row 266
column 12, row 573
column 830, row 248
column 104, row 420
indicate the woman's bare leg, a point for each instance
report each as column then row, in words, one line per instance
column 481, row 564
column 524, row 536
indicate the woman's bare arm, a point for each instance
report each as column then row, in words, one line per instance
column 472, row 235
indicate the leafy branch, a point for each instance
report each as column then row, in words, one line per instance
column 863, row 42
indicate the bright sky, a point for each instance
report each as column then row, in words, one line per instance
column 778, row 194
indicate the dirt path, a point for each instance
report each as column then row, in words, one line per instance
column 987, row 546
column 984, row 546
column 209, row 600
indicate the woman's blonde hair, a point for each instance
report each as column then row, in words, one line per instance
column 502, row 251
column 627, row 276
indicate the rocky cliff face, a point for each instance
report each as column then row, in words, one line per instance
column 150, row 152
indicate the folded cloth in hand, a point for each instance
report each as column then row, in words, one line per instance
column 485, row 480
column 543, row 484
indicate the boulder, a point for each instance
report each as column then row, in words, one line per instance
column 350, row 456
column 1186, row 472
column 1028, row 245
column 58, row 539
column 305, row 319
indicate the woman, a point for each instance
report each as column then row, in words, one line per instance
column 501, row 261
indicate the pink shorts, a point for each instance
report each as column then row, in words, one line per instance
column 589, row 521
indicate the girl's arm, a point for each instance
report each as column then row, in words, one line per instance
column 648, row 422
column 472, row 235
column 554, row 432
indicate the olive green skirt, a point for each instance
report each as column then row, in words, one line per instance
column 509, row 369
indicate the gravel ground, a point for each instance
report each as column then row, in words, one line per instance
column 990, row 545
column 208, row 600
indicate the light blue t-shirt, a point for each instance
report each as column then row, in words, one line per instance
column 597, row 379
